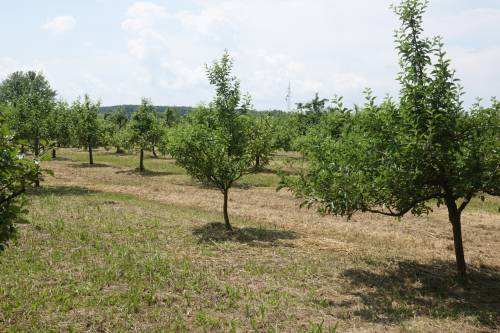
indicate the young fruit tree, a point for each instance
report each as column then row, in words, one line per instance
column 16, row 174
column 214, row 143
column 396, row 158
column 60, row 129
column 143, row 129
column 117, row 129
column 166, row 120
column 87, row 125
column 262, row 140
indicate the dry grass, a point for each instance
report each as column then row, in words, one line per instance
column 110, row 249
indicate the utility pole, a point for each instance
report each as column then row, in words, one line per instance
column 288, row 98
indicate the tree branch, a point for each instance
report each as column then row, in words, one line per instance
column 13, row 195
column 403, row 211
column 466, row 201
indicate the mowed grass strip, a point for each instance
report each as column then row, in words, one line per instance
column 99, row 261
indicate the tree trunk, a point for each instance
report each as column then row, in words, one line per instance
column 36, row 147
column 91, row 157
column 154, row 152
column 454, row 217
column 54, row 156
column 119, row 150
column 37, row 154
column 257, row 162
column 226, row 215
column 141, row 163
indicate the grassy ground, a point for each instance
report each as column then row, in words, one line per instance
column 110, row 250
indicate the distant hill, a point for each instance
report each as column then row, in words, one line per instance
column 181, row 110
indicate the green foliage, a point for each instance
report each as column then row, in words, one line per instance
column 16, row 174
column 285, row 131
column 394, row 158
column 144, row 126
column 214, row 144
column 32, row 98
column 169, row 117
column 211, row 152
column 116, row 128
column 60, row 119
column 261, row 139
column 310, row 113
column 145, row 130
column 88, row 125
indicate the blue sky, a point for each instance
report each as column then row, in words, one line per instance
column 121, row 50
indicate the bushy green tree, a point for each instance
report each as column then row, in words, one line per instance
column 310, row 113
column 117, row 129
column 60, row 131
column 286, row 129
column 16, row 174
column 213, row 144
column 166, row 120
column 261, row 139
column 87, row 124
column 396, row 158
column 144, row 130
column 32, row 99
column 169, row 117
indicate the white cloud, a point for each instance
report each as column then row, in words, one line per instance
column 141, row 25
column 141, row 16
column 136, row 48
column 59, row 24
column 9, row 65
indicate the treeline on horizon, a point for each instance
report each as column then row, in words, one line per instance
column 131, row 108
column 180, row 110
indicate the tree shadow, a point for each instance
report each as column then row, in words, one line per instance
column 61, row 158
column 146, row 173
column 60, row 191
column 413, row 289
column 87, row 165
column 243, row 186
column 216, row 232
column 269, row 171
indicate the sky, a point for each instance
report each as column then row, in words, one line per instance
column 119, row 51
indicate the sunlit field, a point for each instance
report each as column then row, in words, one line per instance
column 109, row 249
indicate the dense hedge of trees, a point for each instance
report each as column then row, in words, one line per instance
column 392, row 157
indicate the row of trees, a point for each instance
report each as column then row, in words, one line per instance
column 43, row 123
column 389, row 158
column 217, row 143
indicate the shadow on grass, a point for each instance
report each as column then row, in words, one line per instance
column 61, row 158
column 413, row 289
column 87, row 165
column 146, row 173
column 61, row 191
column 216, row 232
column 269, row 171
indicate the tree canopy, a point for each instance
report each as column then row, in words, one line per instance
column 214, row 143
column 394, row 158
column 88, row 125
column 144, row 129
column 16, row 174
